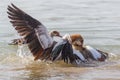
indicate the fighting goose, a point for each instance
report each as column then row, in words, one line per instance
column 88, row 52
column 39, row 41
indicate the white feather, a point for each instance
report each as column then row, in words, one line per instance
column 94, row 52
column 59, row 43
column 67, row 37
column 79, row 54
column 44, row 38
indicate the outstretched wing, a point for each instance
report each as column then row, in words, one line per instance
column 34, row 33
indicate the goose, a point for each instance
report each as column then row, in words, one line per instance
column 39, row 41
column 88, row 52
column 84, row 53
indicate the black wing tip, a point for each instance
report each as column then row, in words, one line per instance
column 12, row 10
column 11, row 5
column 9, row 8
column 14, row 6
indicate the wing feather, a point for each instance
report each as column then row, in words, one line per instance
column 26, row 26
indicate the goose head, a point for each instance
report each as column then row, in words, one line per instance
column 77, row 41
column 55, row 33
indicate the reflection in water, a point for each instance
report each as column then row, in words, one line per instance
column 44, row 71
column 24, row 69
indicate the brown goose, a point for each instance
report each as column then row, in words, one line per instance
column 39, row 41
column 87, row 51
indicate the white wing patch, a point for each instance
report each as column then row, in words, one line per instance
column 94, row 52
column 79, row 54
column 67, row 37
column 44, row 38
column 59, row 43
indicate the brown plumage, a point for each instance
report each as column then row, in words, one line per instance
column 75, row 37
column 77, row 41
column 40, row 42
column 78, row 44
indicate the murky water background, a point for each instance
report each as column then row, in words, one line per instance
column 97, row 20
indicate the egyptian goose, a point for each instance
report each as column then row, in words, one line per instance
column 87, row 51
column 39, row 41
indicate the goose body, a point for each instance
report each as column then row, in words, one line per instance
column 85, row 53
column 39, row 41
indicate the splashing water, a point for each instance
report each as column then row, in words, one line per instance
column 23, row 51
